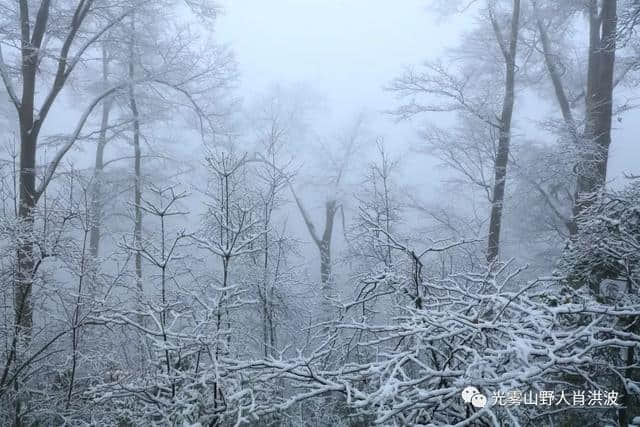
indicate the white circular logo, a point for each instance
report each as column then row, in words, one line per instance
column 479, row 400
column 472, row 395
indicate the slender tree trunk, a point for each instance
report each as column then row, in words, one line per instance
column 556, row 79
column 137, row 196
column 273, row 332
column 502, row 157
column 145, row 345
column 265, row 284
column 98, row 171
column 75, row 326
column 562, row 99
column 387, row 215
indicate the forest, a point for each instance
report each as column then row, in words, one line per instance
column 208, row 219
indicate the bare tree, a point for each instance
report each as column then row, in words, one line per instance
column 274, row 245
column 592, row 142
column 75, row 43
column 508, row 48
column 232, row 229
column 98, row 169
column 338, row 167
column 379, row 204
column 137, row 159
column 28, row 26
column 475, row 103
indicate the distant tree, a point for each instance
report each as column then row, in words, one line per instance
column 471, row 94
column 283, row 117
column 98, row 169
column 338, row 165
column 379, row 206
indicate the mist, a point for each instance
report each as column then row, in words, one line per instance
column 319, row 213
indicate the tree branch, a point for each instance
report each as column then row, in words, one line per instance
column 74, row 137
column 8, row 84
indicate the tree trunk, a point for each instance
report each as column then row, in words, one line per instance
column 25, row 260
column 25, row 263
column 28, row 144
column 556, row 79
column 137, row 193
column 326, row 278
column 137, row 234
column 324, row 245
column 266, row 294
column 592, row 167
column 562, row 99
column 502, row 157
column 137, row 196
column 96, row 193
column 325, row 264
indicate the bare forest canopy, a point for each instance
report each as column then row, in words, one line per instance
column 185, row 244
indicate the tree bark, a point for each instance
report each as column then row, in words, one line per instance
column 556, row 79
column 98, row 171
column 324, row 245
column 31, row 121
column 502, row 157
column 25, row 263
column 28, row 145
column 592, row 166
column 563, row 102
column 137, row 196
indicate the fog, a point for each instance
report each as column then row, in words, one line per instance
column 319, row 213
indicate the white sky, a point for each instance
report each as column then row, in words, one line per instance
column 345, row 49
column 349, row 49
